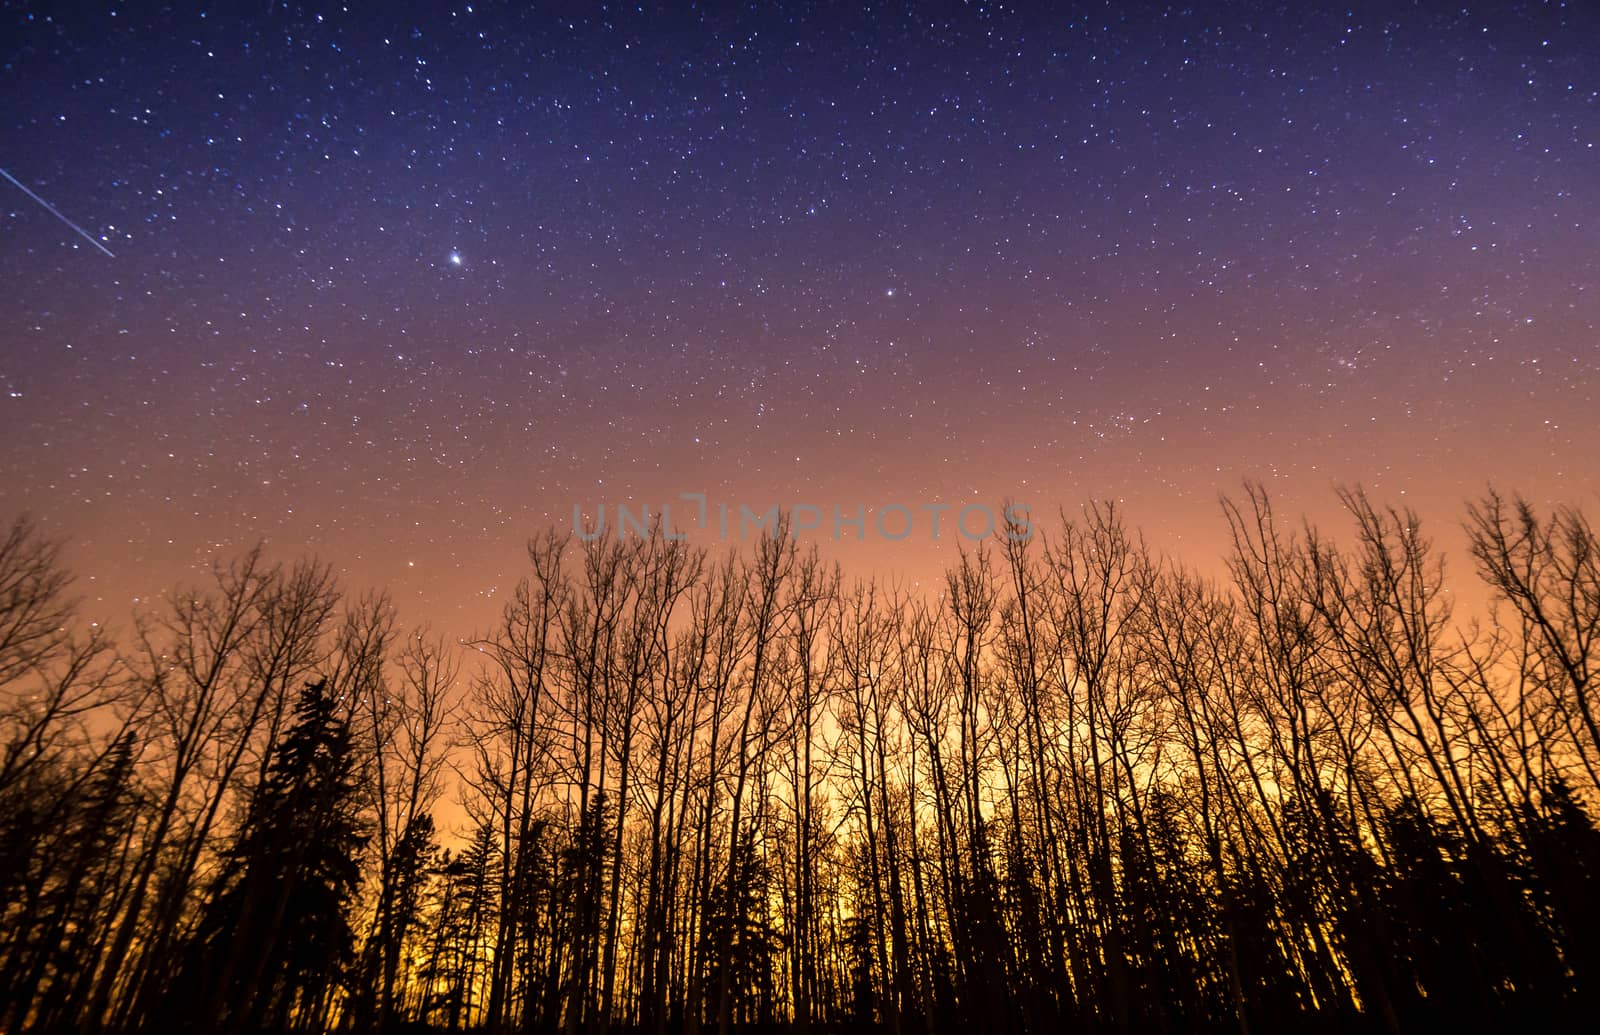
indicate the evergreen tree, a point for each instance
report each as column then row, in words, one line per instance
column 739, row 919
column 276, row 935
column 455, row 957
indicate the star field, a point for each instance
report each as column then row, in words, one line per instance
column 400, row 287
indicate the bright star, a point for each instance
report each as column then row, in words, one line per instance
column 455, row 258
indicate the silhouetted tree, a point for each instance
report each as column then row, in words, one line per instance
column 1079, row 787
column 276, row 935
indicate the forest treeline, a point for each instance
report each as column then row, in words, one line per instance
column 1079, row 788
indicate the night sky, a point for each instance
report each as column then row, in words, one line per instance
column 400, row 287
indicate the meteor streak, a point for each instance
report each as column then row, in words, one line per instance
column 57, row 213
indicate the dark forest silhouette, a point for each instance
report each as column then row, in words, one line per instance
column 1082, row 788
